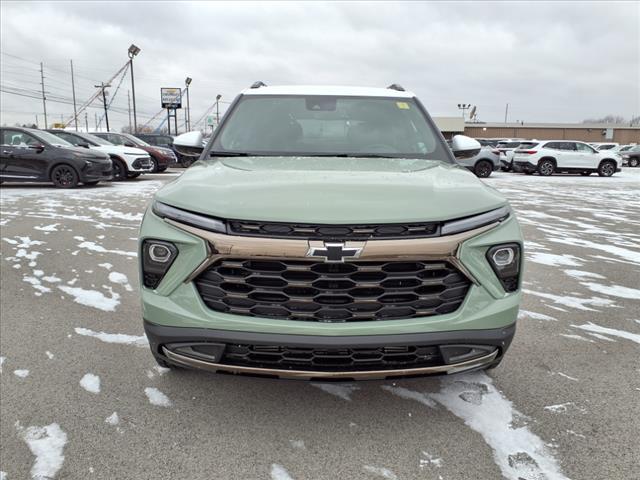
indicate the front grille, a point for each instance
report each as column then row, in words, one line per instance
column 332, row 292
column 142, row 162
column 332, row 359
column 334, row 232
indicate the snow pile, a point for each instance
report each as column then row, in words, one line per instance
column 380, row 472
column 156, row 397
column 93, row 298
column 91, row 383
column 21, row 373
column 138, row 341
column 47, row 444
column 112, row 419
column 278, row 472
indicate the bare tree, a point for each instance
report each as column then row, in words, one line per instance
column 606, row 119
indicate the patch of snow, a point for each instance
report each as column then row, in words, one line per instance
column 36, row 283
column 100, row 249
column 156, row 397
column 343, row 391
column 592, row 327
column 38, row 273
column 573, row 302
column 517, row 451
column 21, row 373
column 106, row 265
column 430, row 460
column 410, row 395
column 614, row 290
column 568, row 377
column 2, row 360
column 579, row 435
column 48, row 228
column 554, row 260
column 47, row 444
column 600, row 337
column 121, row 279
column 92, row 298
column 91, row 383
column 299, row 444
column 576, row 337
column 51, row 279
column 380, row 472
column 72, row 282
column 10, row 241
column 17, row 265
column 107, row 213
column 580, row 274
column 535, row 316
column 121, row 338
column 49, row 355
column 629, row 255
column 560, row 408
column 112, row 419
column 278, row 472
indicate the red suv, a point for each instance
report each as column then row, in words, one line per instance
column 161, row 157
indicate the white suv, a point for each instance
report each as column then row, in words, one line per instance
column 128, row 162
column 562, row 156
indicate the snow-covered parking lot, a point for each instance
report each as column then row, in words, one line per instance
column 82, row 398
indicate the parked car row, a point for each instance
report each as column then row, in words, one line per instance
column 67, row 158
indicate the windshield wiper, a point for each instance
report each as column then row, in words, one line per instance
column 229, row 154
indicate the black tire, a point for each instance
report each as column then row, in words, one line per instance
column 546, row 168
column 483, row 168
column 133, row 175
column 528, row 172
column 633, row 162
column 119, row 170
column 64, row 176
column 586, row 174
column 606, row 168
column 154, row 165
column 91, row 184
column 163, row 169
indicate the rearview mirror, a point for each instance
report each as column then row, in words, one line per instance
column 464, row 147
column 189, row 144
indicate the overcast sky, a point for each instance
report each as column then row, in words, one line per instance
column 552, row 62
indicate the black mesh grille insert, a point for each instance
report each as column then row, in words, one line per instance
column 333, row 232
column 332, row 292
column 332, row 359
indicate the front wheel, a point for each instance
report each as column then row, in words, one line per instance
column 91, row 184
column 483, row 169
column 119, row 171
column 133, row 175
column 154, row 165
column 633, row 162
column 546, row 168
column 606, row 169
column 64, row 176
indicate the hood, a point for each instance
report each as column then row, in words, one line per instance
column 87, row 153
column 120, row 150
column 329, row 190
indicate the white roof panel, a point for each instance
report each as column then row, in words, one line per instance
column 327, row 90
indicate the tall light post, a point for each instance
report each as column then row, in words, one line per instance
column 133, row 51
column 218, row 97
column 187, row 118
column 464, row 107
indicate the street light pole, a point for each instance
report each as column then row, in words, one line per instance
column 187, row 117
column 133, row 51
column 464, row 107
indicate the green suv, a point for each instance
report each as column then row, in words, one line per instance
column 328, row 233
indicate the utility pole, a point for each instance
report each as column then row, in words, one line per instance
column 73, row 88
column 129, row 104
column 104, row 102
column 86, row 120
column 44, row 99
column 506, row 112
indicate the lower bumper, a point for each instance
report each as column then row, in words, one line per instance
column 459, row 351
column 520, row 166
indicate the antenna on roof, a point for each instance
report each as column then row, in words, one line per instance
column 395, row 86
column 258, row 84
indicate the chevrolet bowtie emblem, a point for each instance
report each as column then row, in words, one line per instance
column 334, row 252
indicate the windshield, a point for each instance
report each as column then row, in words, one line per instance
column 51, row 139
column 93, row 138
column 329, row 125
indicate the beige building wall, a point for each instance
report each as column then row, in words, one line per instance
column 586, row 134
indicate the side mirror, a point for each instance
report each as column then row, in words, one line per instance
column 83, row 144
column 464, row 147
column 37, row 147
column 129, row 144
column 190, row 144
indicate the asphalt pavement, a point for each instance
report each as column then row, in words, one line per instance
column 81, row 397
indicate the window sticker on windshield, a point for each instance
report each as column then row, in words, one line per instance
column 402, row 105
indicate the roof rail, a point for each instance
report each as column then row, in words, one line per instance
column 258, row 84
column 395, row 86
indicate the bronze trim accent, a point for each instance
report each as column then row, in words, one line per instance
column 350, row 375
column 430, row 248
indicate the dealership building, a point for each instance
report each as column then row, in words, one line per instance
column 586, row 132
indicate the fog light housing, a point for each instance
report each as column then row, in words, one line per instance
column 157, row 258
column 505, row 262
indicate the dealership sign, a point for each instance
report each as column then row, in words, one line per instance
column 171, row 97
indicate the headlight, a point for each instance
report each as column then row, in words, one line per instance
column 505, row 262
column 157, row 258
column 163, row 210
column 477, row 221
